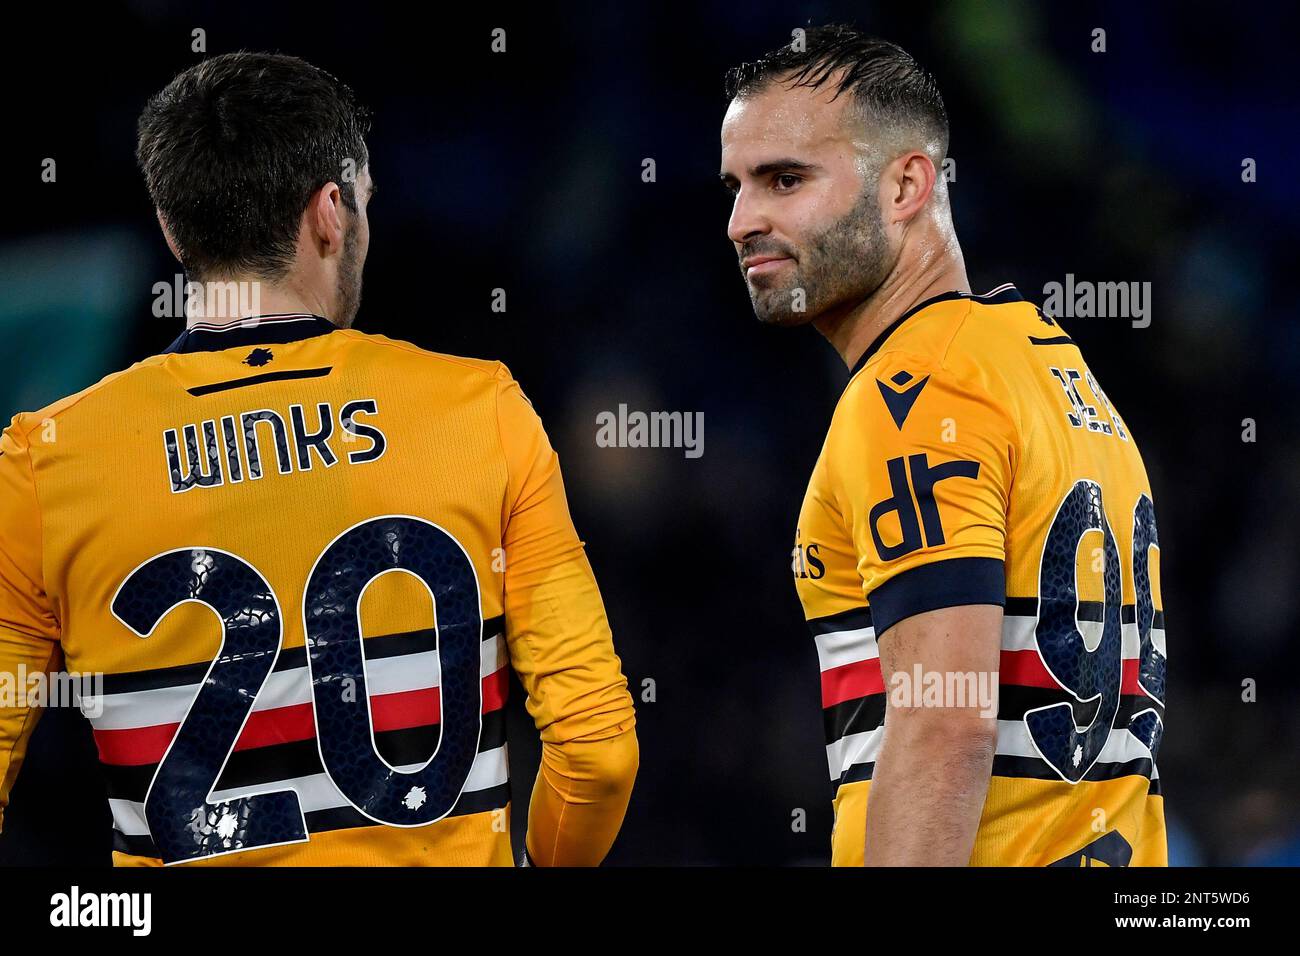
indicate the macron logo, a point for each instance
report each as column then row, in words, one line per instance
column 76, row 908
column 900, row 403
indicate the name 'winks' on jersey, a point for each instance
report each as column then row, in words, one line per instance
column 305, row 560
column 974, row 459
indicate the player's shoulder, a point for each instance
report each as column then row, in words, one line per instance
column 486, row 372
column 23, row 424
column 955, row 345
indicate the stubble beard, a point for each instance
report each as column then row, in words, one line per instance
column 842, row 265
column 349, row 281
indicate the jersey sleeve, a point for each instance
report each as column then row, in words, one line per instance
column 29, row 632
column 561, row 648
column 922, row 462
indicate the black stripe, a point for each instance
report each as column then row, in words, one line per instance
column 300, row 758
column 854, row 716
column 1054, row 340
column 1088, row 611
column 1008, row 294
column 863, row 714
column 283, row 376
column 341, row 818
column 855, row 618
column 1028, row 768
column 261, row 333
column 940, row 584
column 375, row 648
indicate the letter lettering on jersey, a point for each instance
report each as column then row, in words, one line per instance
column 250, row 421
column 185, row 476
column 924, row 478
column 305, row 442
column 901, row 503
column 348, row 420
column 220, row 461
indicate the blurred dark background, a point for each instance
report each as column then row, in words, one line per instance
column 522, row 171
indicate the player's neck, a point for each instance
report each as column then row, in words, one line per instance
column 852, row 331
column 229, row 301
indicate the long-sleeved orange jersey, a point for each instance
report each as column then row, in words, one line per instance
column 293, row 564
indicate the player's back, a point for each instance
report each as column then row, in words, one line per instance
column 217, row 527
column 992, row 459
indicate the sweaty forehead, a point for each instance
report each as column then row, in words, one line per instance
column 800, row 118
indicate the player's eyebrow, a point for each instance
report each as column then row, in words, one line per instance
column 772, row 166
column 782, row 165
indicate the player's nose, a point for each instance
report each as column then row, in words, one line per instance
column 747, row 220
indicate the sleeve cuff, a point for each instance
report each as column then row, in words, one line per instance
column 950, row 583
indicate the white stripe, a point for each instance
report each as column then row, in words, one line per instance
column 854, row 749
column 317, row 791
column 385, row 675
column 846, row 647
column 249, row 322
column 1013, row 741
column 1018, row 635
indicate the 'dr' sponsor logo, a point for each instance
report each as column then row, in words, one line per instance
column 919, row 512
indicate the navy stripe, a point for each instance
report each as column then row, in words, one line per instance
column 1054, row 340
column 287, row 374
column 1029, row 768
column 863, row 714
column 1008, row 294
column 241, row 336
column 855, row 618
column 1088, row 611
column 340, row 818
column 928, row 587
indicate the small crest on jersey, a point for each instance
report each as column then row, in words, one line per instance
column 900, row 400
column 258, row 357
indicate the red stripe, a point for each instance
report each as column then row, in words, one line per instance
column 1024, row 669
column 850, row 681
column 415, row 708
column 1018, row 668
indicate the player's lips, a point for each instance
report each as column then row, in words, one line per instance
column 761, row 265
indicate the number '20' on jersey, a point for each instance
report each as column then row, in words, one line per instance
column 304, row 560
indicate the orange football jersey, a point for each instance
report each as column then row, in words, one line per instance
column 301, row 562
column 974, row 459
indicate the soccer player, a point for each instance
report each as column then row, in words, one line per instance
column 304, row 557
column 976, row 553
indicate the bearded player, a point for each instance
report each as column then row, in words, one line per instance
column 304, row 558
column 976, row 553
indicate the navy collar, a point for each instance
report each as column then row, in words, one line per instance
column 1003, row 293
column 255, row 330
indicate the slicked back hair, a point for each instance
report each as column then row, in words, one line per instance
column 889, row 85
column 233, row 148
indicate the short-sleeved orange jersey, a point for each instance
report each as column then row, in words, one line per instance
column 974, row 459
column 303, row 560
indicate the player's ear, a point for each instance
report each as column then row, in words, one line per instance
column 167, row 234
column 325, row 217
column 910, row 181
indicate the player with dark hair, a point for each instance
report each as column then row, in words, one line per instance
column 976, row 553
column 304, row 559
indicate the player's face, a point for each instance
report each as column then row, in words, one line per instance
column 806, row 219
column 356, row 243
